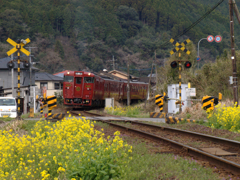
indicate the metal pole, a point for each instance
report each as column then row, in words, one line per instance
column 12, row 76
column 236, row 11
column 233, row 57
column 128, row 86
column 180, row 83
column 18, row 88
column 113, row 64
column 34, row 99
column 156, row 71
column 30, row 68
column 198, row 48
column 149, row 83
column 32, row 104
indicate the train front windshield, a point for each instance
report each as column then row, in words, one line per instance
column 68, row 78
column 88, row 79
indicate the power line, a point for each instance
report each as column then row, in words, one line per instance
column 137, row 69
column 194, row 24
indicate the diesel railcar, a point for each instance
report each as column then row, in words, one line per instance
column 86, row 89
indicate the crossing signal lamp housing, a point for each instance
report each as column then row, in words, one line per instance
column 26, row 64
column 187, row 64
column 174, row 64
column 10, row 65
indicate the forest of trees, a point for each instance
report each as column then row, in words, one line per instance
column 100, row 29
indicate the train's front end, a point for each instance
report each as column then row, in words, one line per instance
column 88, row 89
column 68, row 87
column 73, row 88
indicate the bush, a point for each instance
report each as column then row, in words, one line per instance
column 68, row 149
column 225, row 118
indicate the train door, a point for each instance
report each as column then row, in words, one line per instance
column 78, row 87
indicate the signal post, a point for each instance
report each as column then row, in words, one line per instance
column 174, row 64
column 18, row 46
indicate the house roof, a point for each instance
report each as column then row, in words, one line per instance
column 4, row 61
column 43, row 76
column 121, row 73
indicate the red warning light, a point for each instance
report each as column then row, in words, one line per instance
column 174, row 64
column 188, row 64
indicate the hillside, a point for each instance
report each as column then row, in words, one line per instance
column 86, row 34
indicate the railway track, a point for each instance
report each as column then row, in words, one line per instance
column 85, row 113
column 174, row 137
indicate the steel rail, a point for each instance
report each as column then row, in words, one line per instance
column 231, row 166
column 77, row 112
column 224, row 141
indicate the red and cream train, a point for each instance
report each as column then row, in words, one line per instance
column 85, row 89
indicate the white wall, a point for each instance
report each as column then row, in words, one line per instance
column 174, row 93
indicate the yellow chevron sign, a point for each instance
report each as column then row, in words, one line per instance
column 18, row 46
column 159, row 101
column 179, row 46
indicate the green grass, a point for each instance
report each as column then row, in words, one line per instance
column 155, row 165
column 24, row 116
column 6, row 119
column 147, row 166
column 28, row 125
column 128, row 111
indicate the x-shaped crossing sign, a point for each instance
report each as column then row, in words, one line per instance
column 18, row 46
column 179, row 46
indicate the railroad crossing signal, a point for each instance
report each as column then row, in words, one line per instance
column 179, row 46
column 19, row 45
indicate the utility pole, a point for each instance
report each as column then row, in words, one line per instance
column 12, row 76
column 113, row 60
column 233, row 56
column 156, row 71
column 128, row 86
column 113, row 63
column 149, row 83
column 33, row 99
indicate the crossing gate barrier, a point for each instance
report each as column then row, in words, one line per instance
column 157, row 114
column 51, row 102
column 208, row 102
column 159, row 101
column 58, row 116
column 175, row 120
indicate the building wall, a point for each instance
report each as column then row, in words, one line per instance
column 6, row 78
column 50, row 87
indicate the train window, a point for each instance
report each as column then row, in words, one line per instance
column 78, row 80
column 68, row 78
column 89, row 79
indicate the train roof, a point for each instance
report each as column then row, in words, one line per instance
column 105, row 77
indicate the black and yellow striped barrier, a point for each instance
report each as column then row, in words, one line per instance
column 58, row 116
column 175, row 120
column 43, row 104
column 51, row 102
column 157, row 114
column 208, row 102
column 159, row 101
